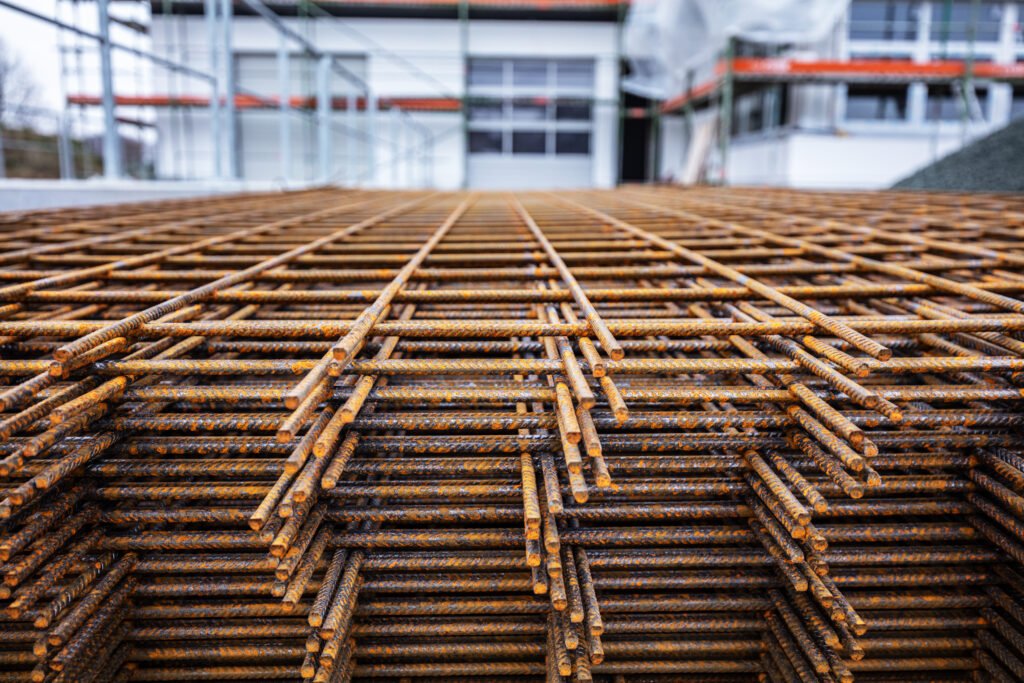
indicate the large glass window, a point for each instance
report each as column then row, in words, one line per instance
column 883, row 20
column 530, row 106
column 956, row 20
column 876, row 103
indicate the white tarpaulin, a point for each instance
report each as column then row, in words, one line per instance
column 665, row 38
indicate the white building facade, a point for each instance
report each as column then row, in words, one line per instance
column 873, row 130
column 503, row 101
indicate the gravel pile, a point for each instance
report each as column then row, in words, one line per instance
column 994, row 163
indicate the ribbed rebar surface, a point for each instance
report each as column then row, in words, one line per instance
column 643, row 435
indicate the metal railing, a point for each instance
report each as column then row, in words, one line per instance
column 221, row 79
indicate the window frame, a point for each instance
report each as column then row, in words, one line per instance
column 568, row 85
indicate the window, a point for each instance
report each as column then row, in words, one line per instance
column 529, row 111
column 485, row 112
column 761, row 109
column 532, row 73
column 574, row 73
column 529, row 142
column 883, row 20
column 956, row 20
column 572, row 143
column 530, row 106
column 748, row 113
column 876, row 103
column 486, row 72
column 572, row 111
column 946, row 103
column 484, row 142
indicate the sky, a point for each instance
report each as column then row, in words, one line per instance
column 34, row 42
column 35, row 45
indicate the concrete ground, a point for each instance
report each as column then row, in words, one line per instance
column 18, row 194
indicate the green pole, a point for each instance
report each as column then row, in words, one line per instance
column 725, row 110
column 620, row 103
column 655, row 113
column 968, row 86
column 464, row 55
column 688, row 118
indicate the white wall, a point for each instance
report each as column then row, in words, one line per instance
column 865, row 155
column 673, row 145
column 761, row 161
column 605, row 151
column 23, row 194
column 835, row 161
column 432, row 46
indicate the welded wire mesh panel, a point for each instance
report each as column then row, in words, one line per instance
column 644, row 435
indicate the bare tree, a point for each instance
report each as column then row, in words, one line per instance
column 17, row 88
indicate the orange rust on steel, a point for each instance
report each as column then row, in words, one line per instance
column 432, row 329
column 130, row 323
column 837, row 328
column 608, row 342
column 344, row 349
column 763, row 495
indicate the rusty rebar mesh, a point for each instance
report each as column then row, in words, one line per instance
column 642, row 435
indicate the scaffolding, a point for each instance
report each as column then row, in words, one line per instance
column 741, row 63
column 409, row 141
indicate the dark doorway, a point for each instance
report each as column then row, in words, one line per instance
column 635, row 160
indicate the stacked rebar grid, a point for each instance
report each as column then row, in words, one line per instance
column 643, row 435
